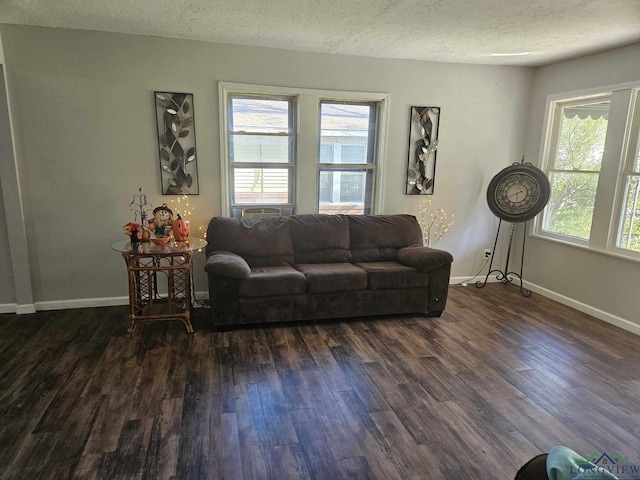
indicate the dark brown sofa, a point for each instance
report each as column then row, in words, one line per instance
column 304, row 267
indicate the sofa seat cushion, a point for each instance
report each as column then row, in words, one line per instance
column 383, row 275
column 268, row 281
column 333, row 277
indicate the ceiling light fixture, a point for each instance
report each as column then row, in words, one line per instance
column 510, row 54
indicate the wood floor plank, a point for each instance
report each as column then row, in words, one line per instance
column 34, row 457
column 161, row 458
column 407, row 458
column 249, row 415
column 361, row 383
column 224, row 445
column 128, row 459
column 194, row 460
column 88, row 467
column 314, row 445
column 254, row 461
column 319, row 348
column 471, row 395
column 72, row 437
column 339, row 436
column 285, row 462
column 355, row 468
column 370, row 440
column 540, row 427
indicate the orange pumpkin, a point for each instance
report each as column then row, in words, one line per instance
column 180, row 229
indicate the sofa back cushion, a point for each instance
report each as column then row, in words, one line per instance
column 377, row 238
column 320, row 238
column 262, row 242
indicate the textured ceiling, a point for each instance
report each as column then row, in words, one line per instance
column 462, row 31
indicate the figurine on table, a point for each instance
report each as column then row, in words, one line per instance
column 162, row 221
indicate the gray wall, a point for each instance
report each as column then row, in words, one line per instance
column 7, row 289
column 15, row 284
column 85, row 139
column 600, row 284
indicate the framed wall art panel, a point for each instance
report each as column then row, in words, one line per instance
column 177, row 143
column 423, row 146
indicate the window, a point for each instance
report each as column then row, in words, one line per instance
column 261, row 139
column 299, row 150
column 325, row 187
column 346, row 176
column 629, row 231
column 353, row 154
column 575, row 168
column 592, row 158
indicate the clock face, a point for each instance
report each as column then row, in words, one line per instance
column 518, row 193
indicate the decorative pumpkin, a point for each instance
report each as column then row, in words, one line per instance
column 180, row 229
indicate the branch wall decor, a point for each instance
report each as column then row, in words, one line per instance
column 177, row 143
column 423, row 145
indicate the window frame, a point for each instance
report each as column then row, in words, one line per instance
column 370, row 165
column 289, row 166
column 630, row 149
column 307, row 142
column 557, row 109
column 624, row 115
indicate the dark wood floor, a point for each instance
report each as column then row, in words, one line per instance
column 472, row 395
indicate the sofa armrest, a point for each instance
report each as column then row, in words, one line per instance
column 423, row 259
column 437, row 264
column 227, row 264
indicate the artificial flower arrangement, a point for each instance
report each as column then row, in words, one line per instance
column 139, row 206
column 133, row 230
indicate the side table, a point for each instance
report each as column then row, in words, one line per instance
column 144, row 263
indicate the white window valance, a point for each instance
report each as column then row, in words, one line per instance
column 595, row 111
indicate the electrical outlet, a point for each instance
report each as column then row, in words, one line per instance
column 486, row 253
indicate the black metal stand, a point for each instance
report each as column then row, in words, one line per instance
column 506, row 276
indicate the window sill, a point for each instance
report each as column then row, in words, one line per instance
column 606, row 253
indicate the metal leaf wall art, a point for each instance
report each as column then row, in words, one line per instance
column 423, row 145
column 177, row 143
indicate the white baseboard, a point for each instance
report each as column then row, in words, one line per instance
column 471, row 280
column 8, row 307
column 19, row 309
column 202, row 295
column 92, row 302
column 623, row 323
column 82, row 303
column 25, row 309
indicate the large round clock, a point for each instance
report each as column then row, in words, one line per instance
column 518, row 193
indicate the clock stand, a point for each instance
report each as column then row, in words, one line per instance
column 516, row 195
column 505, row 276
